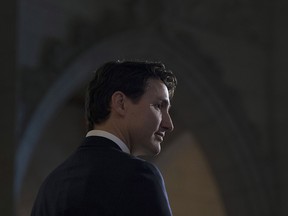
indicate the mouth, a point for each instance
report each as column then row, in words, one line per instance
column 160, row 136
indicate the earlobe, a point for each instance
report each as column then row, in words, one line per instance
column 118, row 102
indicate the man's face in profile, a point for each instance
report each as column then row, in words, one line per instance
column 149, row 119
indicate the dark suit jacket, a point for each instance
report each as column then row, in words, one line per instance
column 100, row 179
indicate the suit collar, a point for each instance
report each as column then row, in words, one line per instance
column 100, row 142
column 110, row 136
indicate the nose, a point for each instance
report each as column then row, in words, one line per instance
column 167, row 123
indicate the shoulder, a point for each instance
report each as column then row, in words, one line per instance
column 144, row 166
column 144, row 173
column 144, row 190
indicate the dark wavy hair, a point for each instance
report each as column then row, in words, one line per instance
column 129, row 77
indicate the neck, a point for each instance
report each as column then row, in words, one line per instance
column 114, row 129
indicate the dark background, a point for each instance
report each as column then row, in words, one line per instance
column 228, row 153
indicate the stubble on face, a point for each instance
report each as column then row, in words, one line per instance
column 146, row 119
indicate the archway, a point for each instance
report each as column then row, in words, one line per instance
column 198, row 107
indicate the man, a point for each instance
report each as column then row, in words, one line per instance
column 127, row 108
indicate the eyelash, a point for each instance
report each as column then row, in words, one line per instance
column 158, row 106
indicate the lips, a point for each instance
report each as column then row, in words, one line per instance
column 160, row 135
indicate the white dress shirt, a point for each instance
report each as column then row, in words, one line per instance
column 110, row 136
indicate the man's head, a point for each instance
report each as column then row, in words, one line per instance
column 135, row 84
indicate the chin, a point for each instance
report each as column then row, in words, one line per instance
column 151, row 152
column 153, row 149
column 156, row 150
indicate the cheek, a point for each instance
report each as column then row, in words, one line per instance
column 154, row 119
column 148, row 120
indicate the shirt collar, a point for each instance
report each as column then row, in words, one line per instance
column 110, row 136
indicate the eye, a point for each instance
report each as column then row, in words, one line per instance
column 161, row 105
column 157, row 105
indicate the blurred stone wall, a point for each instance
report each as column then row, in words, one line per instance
column 8, row 106
column 230, row 59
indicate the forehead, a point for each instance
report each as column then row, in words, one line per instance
column 156, row 88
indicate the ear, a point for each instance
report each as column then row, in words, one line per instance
column 118, row 102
